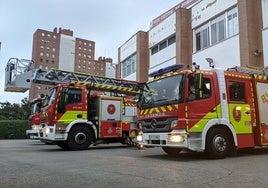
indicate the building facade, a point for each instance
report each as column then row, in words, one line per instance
column 226, row 33
column 59, row 49
column 133, row 58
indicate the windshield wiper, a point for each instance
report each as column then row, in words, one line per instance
column 163, row 99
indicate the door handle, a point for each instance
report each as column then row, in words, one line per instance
column 247, row 112
column 213, row 110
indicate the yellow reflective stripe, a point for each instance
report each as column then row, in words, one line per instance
column 70, row 116
column 163, row 109
column 169, row 107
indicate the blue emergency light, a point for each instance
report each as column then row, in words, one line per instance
column 166, row 70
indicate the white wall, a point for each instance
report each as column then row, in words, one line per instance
column 67, row 52
column 131, row 77
column 225, row 54
column 163, row 30
column 166, row 56
column 128, row 48
column 206, row 9
column 110, row 70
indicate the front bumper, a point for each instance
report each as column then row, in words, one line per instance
column 50, row 133
column 34, row 132
column 178, row 138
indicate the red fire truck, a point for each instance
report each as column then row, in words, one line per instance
column 75, row 114
column 214, row 111
column 34, row 119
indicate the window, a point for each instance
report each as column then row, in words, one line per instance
column 236, row 91
column 172, row 40
column 193, row 89
column 129, row 66
column 232, row 22
column 216, row 30
column 154, row 50
column 163, row 45
column 202, row 38
column 73, row 96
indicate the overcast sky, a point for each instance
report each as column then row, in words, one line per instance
column 109, row 23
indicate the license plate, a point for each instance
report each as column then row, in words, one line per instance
column 154, row 137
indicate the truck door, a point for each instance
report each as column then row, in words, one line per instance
column 241, row 109
column 200, row 108
column 70, row 106
column 110, row 117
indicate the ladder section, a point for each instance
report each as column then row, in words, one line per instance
column 94, row 82
column 251, row 70
column 18, row 73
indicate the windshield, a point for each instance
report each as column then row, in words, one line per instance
column 35, row 106
column 50, row 97
column 164, row 91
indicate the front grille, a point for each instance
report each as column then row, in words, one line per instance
column 157, row 125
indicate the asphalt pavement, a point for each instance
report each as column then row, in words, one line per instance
column 30, row 163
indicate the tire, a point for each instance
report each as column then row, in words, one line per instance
column 62, row 145
column 172, row 151
column 217, row 144
column 79, row 138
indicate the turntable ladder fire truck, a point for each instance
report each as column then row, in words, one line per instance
column 215, row 111
column 87, row 109
column 19, row 73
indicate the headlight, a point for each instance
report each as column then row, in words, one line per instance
column 139, row 138
column 60, row 127
column 46, row 130
column 35, row 127
column 174, row 123
column 175, row 138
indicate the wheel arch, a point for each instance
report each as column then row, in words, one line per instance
column 219, row 123
column 87, row 124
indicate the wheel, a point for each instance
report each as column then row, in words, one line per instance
column 79, row 138
column 62, row 145
column 217, row 144
column 172, row 151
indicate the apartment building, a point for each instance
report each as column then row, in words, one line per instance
column 224, row 33
column 60, row 49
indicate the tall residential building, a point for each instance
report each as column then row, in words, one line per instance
column 228, row 33
column 59, row 49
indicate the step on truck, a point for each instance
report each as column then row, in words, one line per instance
column 215, row 111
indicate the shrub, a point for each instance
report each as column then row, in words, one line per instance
column 13, row 129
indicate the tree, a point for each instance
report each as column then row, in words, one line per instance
column 14, row 111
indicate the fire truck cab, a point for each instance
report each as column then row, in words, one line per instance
column 215, row 111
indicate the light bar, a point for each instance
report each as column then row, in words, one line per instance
column 166, row 70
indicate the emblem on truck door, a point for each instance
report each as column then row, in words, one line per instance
column 111, row 109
